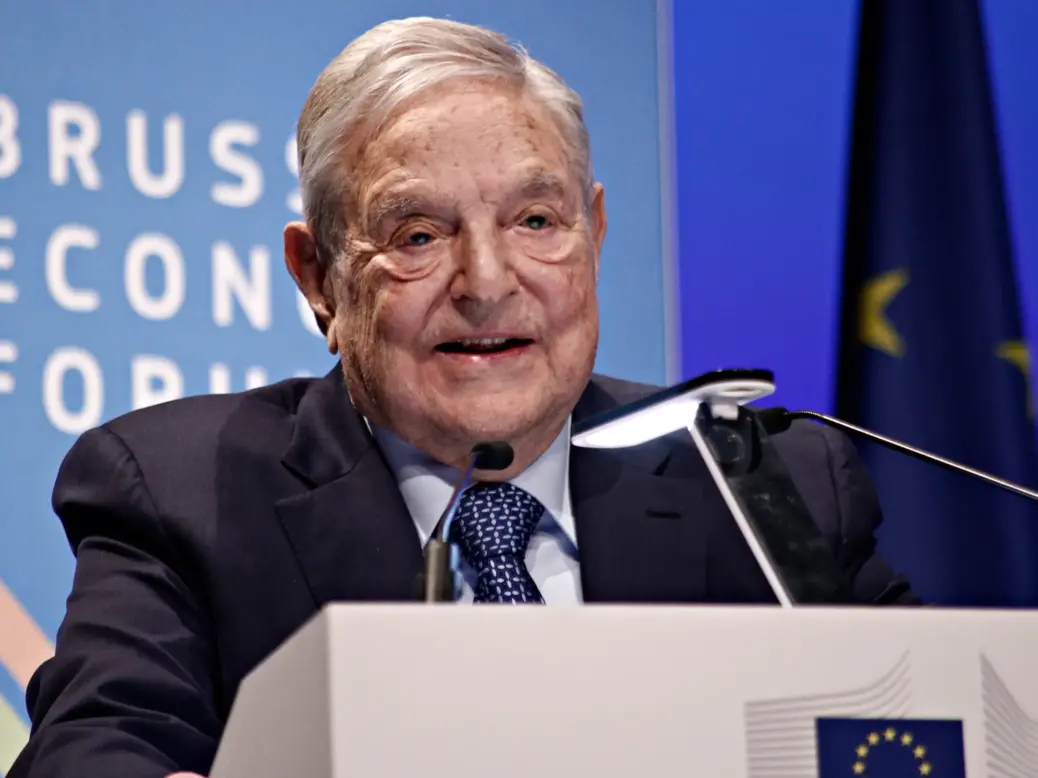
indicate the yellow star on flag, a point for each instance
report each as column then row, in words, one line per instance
column 890, row 734
column 906, row 739
column 873, row 738
column 1016, row 353
column 874, row 327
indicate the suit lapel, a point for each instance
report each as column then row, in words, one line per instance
column 639, row 512
column 639, row 519
column 350, row 530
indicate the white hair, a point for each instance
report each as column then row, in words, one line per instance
column 392, row 64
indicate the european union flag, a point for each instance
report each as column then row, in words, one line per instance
column 891, row 748
column 932, row 350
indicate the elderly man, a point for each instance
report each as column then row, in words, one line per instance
column 450, row 253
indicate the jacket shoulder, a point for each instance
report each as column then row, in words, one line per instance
column 177, row 453
column 179, row 425
column 621, row 390
column 605, row 393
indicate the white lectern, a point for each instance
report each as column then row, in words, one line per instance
column 395, row 691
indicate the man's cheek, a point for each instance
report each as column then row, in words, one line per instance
column 571, row 272
column 401, row 310
column 570, row 304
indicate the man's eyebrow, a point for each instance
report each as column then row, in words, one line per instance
column 541, row 183
column 393, row 208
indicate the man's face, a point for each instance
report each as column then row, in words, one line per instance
column 467, row 307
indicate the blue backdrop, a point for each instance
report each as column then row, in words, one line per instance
column 119, row 288
column 129, row 275
column 146, row 172
column 763, row 104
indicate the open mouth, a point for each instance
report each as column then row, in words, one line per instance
column 480, row 346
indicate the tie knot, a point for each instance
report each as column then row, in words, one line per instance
column 495, row 520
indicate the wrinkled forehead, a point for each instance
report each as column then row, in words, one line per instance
column 483, row 138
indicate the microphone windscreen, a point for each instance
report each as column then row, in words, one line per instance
column 493, row 455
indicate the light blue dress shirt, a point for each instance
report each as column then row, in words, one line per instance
column 551, row 557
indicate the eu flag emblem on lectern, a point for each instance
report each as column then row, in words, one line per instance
column 890, row 748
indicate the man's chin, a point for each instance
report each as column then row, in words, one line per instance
column 489, row 418
column 507, row 427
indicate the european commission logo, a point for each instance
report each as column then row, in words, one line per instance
column 890, row 748
column 876, row 730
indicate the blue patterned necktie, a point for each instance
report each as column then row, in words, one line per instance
column 492, row 528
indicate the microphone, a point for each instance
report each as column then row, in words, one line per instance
column 439, row 582
column 776, row 420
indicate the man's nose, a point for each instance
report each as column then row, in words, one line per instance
column 486, row 276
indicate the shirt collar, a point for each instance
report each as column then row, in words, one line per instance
column 426, row 484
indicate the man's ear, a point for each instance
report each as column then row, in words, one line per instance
column 312, row 277
column 598, row 220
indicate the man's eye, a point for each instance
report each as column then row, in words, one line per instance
column 536, row 222
column 418, row 239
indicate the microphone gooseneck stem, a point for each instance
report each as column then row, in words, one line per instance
column 440, row 554
column 918, row 453
column 452, row 507
column 440, row 579
column 438, row 584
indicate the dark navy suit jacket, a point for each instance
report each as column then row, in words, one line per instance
column 209, row 529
